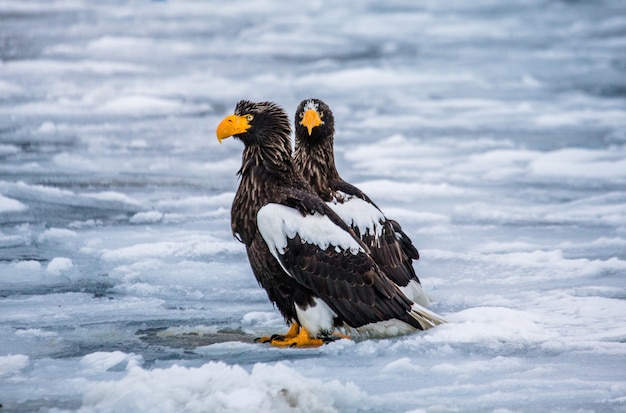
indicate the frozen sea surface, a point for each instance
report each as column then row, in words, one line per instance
column 495, row 132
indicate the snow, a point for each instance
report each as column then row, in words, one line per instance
column 102, row 360
column 12, row 364
column 58, row 265
column 492, row 131
column 220, row 387
column 10, row 205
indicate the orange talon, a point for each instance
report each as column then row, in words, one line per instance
column 293, row 332
column 298, row 336
column 302, row 340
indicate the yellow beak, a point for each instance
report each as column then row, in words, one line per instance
column 311, row 119
column 231, row 125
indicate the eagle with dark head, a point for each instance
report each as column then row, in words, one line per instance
column 313, row 267
column 314, row 157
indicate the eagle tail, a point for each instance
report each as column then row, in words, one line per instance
column 426, row 318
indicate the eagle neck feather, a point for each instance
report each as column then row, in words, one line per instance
column 264, row 170
column 316, row 161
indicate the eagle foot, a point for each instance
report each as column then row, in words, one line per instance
column 304, row 340
column 294, row 329
column 301, row 340
column 298, row 336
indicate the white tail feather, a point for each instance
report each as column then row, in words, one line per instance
column 425, row 317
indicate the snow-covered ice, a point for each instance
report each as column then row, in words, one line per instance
column 493, row 131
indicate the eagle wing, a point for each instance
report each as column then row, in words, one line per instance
column 408, row 248
column 389, row 245
column 333, row 264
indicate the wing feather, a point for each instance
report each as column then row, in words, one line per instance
column 333, row 265
column 388, row 244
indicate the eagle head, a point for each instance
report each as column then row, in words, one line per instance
column 314, row 120
column 254, row 123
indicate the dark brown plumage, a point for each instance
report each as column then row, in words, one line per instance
column 314, row 157
column 319, row 275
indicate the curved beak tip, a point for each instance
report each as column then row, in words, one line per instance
column 310, row 120
column 230, row 126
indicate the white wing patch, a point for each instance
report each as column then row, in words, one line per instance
column 277, row 223
column 358, row 214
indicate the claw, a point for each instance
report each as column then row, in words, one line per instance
column 329, row 339
column 302, row 339
column 293, row 332
column 298, row 336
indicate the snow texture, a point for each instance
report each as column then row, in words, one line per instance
column 494, row 132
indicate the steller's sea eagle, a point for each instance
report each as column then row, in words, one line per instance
column 313, row 267
column 314, row 157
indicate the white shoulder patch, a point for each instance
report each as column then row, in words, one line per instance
column 358, row 214
column 277, row 223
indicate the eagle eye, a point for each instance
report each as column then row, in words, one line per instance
column 249, row 118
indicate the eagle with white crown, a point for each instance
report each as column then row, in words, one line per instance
column 314, row 157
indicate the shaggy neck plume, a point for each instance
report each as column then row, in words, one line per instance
column 316, row 161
